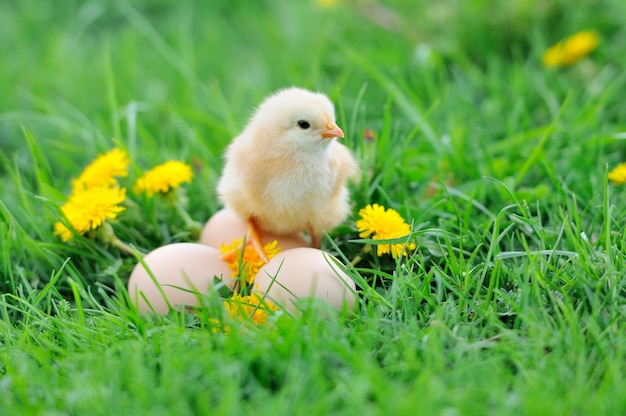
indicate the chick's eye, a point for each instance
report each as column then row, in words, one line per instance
column 303, row 124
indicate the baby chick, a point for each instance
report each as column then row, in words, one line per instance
column 286, row 172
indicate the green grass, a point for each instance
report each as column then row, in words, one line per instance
column 514, row 301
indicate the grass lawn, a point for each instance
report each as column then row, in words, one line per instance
column 513, row 301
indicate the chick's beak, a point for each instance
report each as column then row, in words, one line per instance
column 332, row 130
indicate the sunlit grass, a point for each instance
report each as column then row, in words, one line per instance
column 513, row 301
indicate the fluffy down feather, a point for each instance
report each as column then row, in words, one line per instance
column 286, row 172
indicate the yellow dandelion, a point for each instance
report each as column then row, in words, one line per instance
column 103, row 171
column 618, row 174
column 572, row 49
column 164, row 178
column 216, row 325
column 89, row 209
column 62, row 231
column 252, row 308
column 383, row 224
column 251, row 260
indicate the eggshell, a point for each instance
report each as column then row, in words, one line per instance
column 186, row 265
column 302, row 273
column 224, row 226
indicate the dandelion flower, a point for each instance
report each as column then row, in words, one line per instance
column 249, row 308
column 618, row 174
column 103, row 171
column 383, row 224
column 572, row 49
column 216, row 325
column 89, row 209
column 164, row 178
column 251, row 260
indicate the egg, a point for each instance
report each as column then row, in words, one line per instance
column 225, row 226
column 188, row 266
column 304, row 273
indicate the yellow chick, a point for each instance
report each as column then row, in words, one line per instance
column 286, row 172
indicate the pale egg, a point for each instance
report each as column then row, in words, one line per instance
column 178, row 268
column 225, row 226
column 302, row 273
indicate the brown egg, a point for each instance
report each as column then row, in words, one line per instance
column 303, row 273
column 186, row 265
column 224, row 226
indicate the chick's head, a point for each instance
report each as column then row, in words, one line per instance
column 298, row 119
